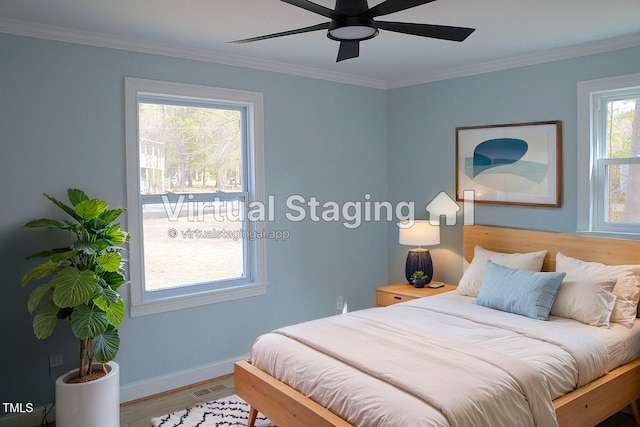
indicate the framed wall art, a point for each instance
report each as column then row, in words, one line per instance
column 514, row 164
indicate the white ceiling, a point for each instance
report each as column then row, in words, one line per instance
column 508, row 33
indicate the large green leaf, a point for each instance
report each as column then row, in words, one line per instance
column 110, row 261
column 44, row 322
column 64, row 207
column 88, row 322
column 37, row 294
column 64, row 256
column 105, row 298
column 44, row 222
column 87, row 248
column 113, row 279
column 74, row 287
column 40, row 271
column 106, row 346
column 103, row 244
column 115, row 235
column 48, row 253
column 111, row 215
column 90, row 209
column 111, row 295
column 115, row 313
column 96, row 226
column 76, row 196
column 101, row 301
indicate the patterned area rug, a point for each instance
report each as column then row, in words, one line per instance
column 229, row 411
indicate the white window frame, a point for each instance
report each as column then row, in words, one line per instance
column 592, row 164
column 145, row 303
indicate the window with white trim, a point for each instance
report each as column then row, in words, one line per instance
column 609, row 155
column 194, row 169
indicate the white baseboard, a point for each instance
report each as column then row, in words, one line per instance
column 139, row 389
column 148, row 387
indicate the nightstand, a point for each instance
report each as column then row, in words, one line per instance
column 393, row 294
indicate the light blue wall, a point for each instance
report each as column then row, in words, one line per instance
column 421, row 148
column 62, row 125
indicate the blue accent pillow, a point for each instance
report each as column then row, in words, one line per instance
column 523, row 292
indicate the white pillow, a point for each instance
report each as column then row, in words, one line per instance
column 627, row 289
column 472, row 278
column 587, row 300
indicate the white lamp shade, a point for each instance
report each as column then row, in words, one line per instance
column 421, row 233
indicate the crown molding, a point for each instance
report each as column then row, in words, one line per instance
column 28, row 29
column 48, row 32
column 600, row 46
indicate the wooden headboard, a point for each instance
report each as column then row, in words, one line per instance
column 587, row 248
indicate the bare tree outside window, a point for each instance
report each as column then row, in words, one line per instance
column 632, row 201
column 623, row 177
column 188, row 150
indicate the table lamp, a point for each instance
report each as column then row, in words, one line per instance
column 421, row 233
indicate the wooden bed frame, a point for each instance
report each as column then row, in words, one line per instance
column 585, row 406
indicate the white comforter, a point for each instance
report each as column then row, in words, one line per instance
column 395, row 367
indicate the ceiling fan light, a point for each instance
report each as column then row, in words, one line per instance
column 352, row 28
column 358, row 32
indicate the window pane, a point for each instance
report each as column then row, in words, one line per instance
column 619, row 128
column 623, row 186
column 195, row 247
column 187, row 151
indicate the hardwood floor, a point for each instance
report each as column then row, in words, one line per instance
column 139, row 413
column 621, row 419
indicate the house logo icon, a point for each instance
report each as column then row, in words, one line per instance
column 444, row 205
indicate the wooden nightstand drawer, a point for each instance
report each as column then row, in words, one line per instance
column 401, row 292
column 384, row 299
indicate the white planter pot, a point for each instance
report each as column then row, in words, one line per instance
column 94, row 403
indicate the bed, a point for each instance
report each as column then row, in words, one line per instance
column 601, row 393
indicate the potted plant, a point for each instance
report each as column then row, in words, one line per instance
column 82, row 286
column 419, row 279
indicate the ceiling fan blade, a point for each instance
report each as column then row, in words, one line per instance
column 391, row 6
column 443, row 32
column 323, row 26
column 348, row 50
column 312, row 7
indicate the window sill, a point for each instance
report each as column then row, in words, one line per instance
column 164, row 305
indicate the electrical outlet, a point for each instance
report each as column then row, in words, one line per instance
column 339, row 302
column 55, row 360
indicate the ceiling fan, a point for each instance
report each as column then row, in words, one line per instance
column 352, row 22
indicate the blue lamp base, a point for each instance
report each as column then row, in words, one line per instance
column 419, row 260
